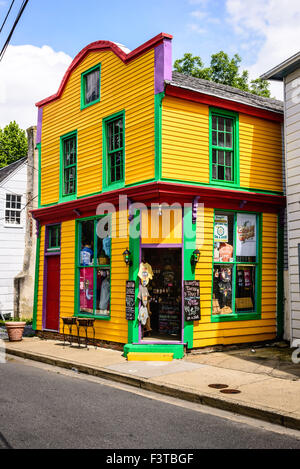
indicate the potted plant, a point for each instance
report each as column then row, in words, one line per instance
column 15, row 328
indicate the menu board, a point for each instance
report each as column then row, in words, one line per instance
column 191, row 290
column 130, row 300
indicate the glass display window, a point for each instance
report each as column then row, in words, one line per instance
column 93, row 270
column 236, row 266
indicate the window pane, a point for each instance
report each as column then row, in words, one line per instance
column 223, row 236
column 222, row 289
column 214, row 122
column 214, row 172
column 246, row 237
column 86, row 290
column 228, row 142
column 228, row 174
column 221, row 122
column 221, row 157
column 103, row 292
column 103, row 249
column 214, row 138
column 87, row 243
column 245, row 289
column 221, row 139
column 221, row 173
column 228, row 124
column 92, row 86
column 214, row 156
column 228, row 158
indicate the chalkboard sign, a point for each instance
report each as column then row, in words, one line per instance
column 191, row 292
column 130, row 300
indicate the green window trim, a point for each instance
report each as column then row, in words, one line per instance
column 233, row 148
column 94, row 266
column 69, row 168
column 83, row 103
column 54, row 238
column 241, row 316
column 110, row 154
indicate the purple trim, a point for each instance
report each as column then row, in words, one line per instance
column 39, row 125
column 162, row 65
column 195, row 209
column 180, row 246
column 161, row 245
column 161, row 342
column 45, row 277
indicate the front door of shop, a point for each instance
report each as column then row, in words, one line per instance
column 53, row 293
column 165, row 290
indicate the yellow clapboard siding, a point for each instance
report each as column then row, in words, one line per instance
column 127, row 87
column 260, row 147
column 185, row 138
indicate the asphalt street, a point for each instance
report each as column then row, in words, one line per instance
column 44, row 408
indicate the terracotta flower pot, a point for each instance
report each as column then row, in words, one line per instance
column 15, row 330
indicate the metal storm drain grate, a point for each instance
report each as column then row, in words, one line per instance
column 230, row 391
column 218, row 386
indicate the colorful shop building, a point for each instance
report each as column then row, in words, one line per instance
column 160, row 205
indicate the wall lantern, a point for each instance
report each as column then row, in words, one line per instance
column 127, row 257
column 195, row 257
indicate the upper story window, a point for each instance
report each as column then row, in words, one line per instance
column 69, row 156
column 224, row 147
column 53, row 238
column 13, row 209
column 114, row 150
column 90, row 86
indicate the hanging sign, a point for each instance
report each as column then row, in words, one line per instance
column 246, row 235
column 130, row 300
column 191, row 291
column 221, row 229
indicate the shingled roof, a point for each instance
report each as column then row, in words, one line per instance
column 226, row 92
column 7, row 170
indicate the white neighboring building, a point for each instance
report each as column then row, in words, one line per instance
column 289, row 73
column 13, row 188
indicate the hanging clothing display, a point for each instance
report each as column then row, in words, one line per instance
column 145, row 273
column 86, row 255
column 104, row 296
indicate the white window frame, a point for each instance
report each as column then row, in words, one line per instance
column 11, row 199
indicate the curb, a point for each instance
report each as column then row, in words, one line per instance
column 271, row 416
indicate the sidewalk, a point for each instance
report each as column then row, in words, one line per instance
column 269, row 383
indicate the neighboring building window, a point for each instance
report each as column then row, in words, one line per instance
column 53, row 238
column 114, row 144
column 236, row 264
column 90, row 86
column 93, row 270
column 13, row 209
column 223, row 138
column 69, row 148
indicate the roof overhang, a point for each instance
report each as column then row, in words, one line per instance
column 282, row 70
column 217, row 101
column 159, row 192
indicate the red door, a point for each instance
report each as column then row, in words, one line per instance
column 53, row 293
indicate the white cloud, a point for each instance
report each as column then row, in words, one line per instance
column 199, row 14
column 194, row 28
column 275, row 23
column 28, row 74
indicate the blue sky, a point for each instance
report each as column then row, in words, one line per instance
column 51, row 32
column 199, row 27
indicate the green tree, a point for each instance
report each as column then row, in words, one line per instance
column 224, row 70
column 13, row 144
